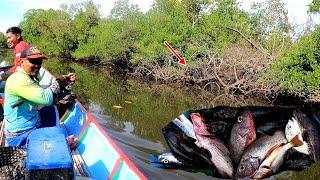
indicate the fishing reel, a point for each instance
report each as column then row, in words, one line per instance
column 66, row 96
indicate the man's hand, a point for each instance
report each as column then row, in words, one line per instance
column 68, row 79
column 72, row 78
column 1, row 73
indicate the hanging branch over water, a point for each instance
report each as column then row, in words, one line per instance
column 253, row 43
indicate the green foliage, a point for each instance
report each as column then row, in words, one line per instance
column 49, row 30
column 225, row 13
column 124, row 10
column 3, row 40
column 59, row 32
column 269, row 24
column 86, row 16
column 298, row 69
column 192, row 27
column 115, row 37
column 314, row 6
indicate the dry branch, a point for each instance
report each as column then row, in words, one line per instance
column 254, row 44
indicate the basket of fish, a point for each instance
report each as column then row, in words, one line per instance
column 245, row 142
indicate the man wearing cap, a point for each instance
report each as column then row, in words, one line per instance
column 24, row 97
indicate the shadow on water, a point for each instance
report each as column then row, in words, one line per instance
column 133, row 114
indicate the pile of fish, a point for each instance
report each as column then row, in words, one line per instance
column 248, row 142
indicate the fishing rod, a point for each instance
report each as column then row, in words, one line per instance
column 5, row 67
column 96, row 64
column 91, row 66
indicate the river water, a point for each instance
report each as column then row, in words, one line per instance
column 136, row 127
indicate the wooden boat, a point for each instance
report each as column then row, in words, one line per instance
column 96, row 155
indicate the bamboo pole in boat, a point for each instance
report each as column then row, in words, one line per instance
column 2, row 133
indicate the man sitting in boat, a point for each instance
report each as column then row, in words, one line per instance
column 15, row 42
column 24, row 97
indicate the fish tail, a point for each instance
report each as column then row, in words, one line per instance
column 296, row 141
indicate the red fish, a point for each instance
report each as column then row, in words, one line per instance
column 243, row 133
column 219, row 153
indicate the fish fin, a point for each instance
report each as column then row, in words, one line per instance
column 296, row 141
column 220, row 145
column 263, row 171
column 198, row 143
column 244, row 132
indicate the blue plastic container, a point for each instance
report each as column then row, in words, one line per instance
column 47, row 150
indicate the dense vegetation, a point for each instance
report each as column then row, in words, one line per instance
column 3, row 41
column 227, row 49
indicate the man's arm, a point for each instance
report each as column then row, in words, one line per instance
column 31, row 91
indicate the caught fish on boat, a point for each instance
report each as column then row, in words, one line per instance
column 272, row 163
column 165, row 160
column 294, row 128
column 219, row 153
column 310, row 134
column 280, row 132
column 257, row 152
column 168, row 158
column 184, row 127
column 219, row 129
column 185, row 121
column 243, row 134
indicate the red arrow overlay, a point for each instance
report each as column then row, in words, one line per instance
column 181, row 60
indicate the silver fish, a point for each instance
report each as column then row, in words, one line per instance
column 168, row 158
column 219, row 153
column 185, row 128
column 294, row 128
column 257, row 152
column 272, row 163
column 186, row 121
column 310, row 133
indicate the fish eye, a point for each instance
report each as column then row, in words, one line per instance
column 289, row 127
column 241, row 167
column 240, row 119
